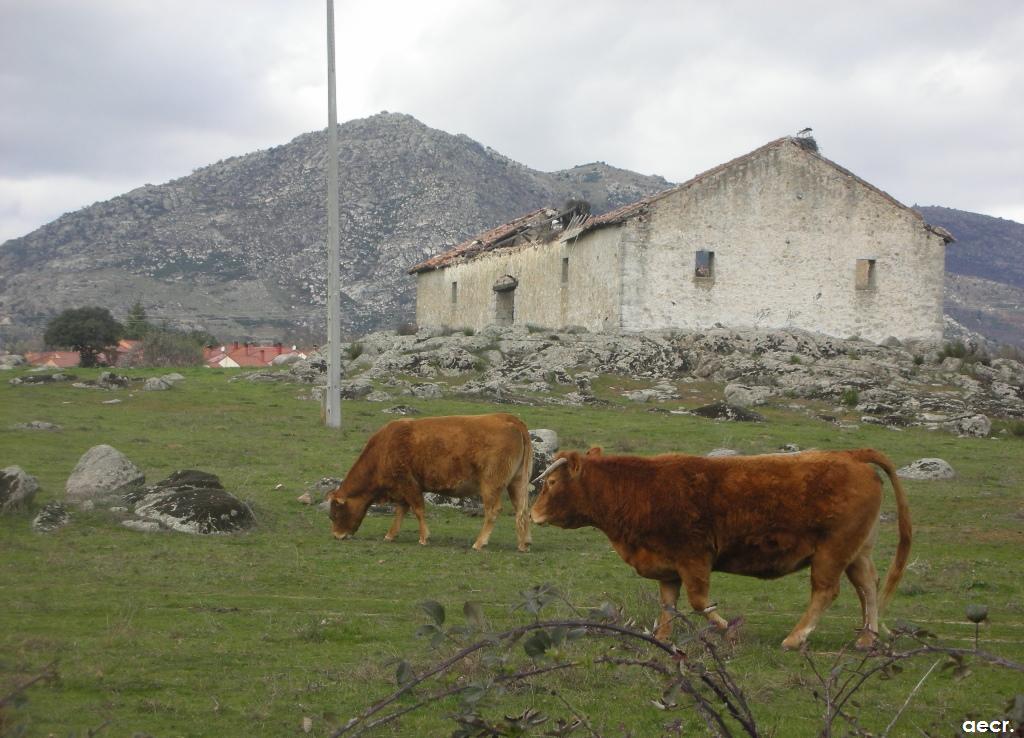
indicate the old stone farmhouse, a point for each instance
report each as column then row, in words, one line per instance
column 779, row 238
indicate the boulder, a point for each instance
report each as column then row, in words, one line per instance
column 744, row 396
column 927, row 469
column 401, row 410
column 191, row 501
column 722, row 452
column 545, row 446
column 102, row 472
column 156, row 384
column 976, row 426
column 17, row 488
column 53, row 516
column 725, row 411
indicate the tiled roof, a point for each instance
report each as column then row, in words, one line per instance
column 487, row 241
column 493, row 238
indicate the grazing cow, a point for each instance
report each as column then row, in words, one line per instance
column 462, row 456
column 677, row 518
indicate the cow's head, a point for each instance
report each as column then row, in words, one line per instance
column 562, row 499
column 346, row 512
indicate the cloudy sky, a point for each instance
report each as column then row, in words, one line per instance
column 923, row 99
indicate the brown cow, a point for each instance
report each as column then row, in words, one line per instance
column 677, row 518
column 461, row 455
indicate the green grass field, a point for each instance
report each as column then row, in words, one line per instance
column 172, row 635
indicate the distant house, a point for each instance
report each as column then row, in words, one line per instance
column 236, row 355
column 778, row 238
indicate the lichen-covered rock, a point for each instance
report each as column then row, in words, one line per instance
column 102, row 472
column 191, row 501
column 37, row 425
column 53, row 516
column 545, row 446
column 744, row 396
column 156, row 384
column 927, row 469
column 976, row 426
column 17, row 488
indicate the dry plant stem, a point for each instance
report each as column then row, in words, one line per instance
column 909, row 697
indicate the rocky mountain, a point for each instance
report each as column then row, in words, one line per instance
column 238, row 247
column 984, row 272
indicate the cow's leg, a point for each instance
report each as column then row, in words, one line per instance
column 418, row 511
column 825, row 573
column 697, row 580
column 520, row 503
column 864, row 578
column 669, row 595
column 400, row 510
column 492, row 508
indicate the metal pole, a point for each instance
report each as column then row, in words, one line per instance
column 332, row 401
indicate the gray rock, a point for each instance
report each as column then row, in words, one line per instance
column 378, row 396
column 110, row 380
column 17, row 488
column 102, row 472
column 401, row 410
column 724, row 411
column 976, row 426
column 545, row 446
column 156, row 384
column 927, row 469
column 173, row 378
column 722, row 452
column 745, row 396
column 191, row 501
column 53, row 516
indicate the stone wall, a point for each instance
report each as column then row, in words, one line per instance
column 588, row 297
column 787, row 230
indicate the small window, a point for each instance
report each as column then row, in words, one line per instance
column 455, row 292
column 865, row 276
column 565, row 270
column 704, row 266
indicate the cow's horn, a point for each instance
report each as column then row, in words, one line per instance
column 554, row 465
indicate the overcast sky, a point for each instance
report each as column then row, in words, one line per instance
column 922, row 99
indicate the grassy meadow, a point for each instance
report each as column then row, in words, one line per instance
column 167, row 634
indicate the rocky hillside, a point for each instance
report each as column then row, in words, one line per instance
column 237, row 248
column 985, row 272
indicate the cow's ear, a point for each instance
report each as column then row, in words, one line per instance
column 595, row 451
column 335, row 496
column 575, row 464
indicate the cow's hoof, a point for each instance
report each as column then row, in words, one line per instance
column 792, row 644
column 389, row 539
column 523, row 549
column 865, row 644
column 423, row 542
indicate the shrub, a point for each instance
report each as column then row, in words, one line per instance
column 355, row 350
column 851, row 397
column 161, row 347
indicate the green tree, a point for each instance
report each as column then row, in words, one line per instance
column 137, row 326
column 89, row 331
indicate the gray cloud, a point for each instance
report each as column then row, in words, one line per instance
column 920, row 98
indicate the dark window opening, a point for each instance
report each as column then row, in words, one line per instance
column 565, row 270
column 704, row 266
column 455, row 292
column 866, row 274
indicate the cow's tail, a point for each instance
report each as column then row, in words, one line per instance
column 899, row 561
column 521, row 493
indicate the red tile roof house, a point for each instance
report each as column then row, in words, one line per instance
column 779, row 238
column 236, row 355
column 53, row 359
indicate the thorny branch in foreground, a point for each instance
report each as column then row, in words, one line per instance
column 694, row 667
